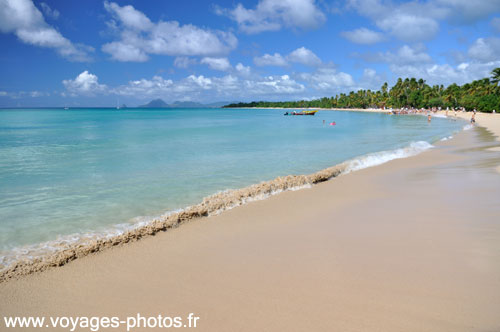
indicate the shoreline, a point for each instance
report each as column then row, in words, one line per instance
column 210, row 206
column 373, row 110
column 312, row 259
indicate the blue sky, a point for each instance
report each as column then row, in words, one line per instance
column 95, row 53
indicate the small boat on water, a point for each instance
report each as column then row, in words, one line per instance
column 301, row 113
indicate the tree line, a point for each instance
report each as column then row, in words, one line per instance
column 483, row 95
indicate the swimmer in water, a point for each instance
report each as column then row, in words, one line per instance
column 429, row 118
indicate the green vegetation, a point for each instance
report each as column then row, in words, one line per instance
column 484, row 95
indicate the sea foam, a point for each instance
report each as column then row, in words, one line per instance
column 378, row 158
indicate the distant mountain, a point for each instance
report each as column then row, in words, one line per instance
column 158, row 103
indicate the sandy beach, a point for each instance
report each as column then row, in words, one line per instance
column 411, row 245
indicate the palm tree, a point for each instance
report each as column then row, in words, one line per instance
column 495, row 76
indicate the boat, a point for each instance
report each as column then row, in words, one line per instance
column 301, row 113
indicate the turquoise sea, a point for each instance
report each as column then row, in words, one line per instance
column 69, row 172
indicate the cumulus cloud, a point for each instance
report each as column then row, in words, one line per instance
column 124, row 52
column 445, row 73
column 485, row 49
column 240, row 83
column 409, row 27
column 85, row 83
column 274, row 85
column 482, row 58
column 328, row 79
column 243, row 70
column 363, row 36
column 403, row 56
column 466, row 11
column 371, row 79
column 304, row 56
column 139, row 37
column 419, row 20
column 301, row 55
column 22, row 18
column 272, row 15
column 49, row 12
column 407, row 61
column 143, row 87
column 221, row 64
column 270, row 60
column 129, row 16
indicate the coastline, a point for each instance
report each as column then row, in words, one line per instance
column 312, row 259
column 373, row 110
column 210, row 206
column 68, row 251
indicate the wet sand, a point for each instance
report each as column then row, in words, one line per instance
column 411, row 245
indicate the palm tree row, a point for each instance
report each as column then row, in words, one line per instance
column 483, row 95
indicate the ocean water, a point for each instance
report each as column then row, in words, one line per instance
column 68, row 172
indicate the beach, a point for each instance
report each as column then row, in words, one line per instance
column 410, row 245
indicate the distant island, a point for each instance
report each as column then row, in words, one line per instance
column 483, row 95
column 160, row 103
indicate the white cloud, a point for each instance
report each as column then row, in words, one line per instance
column 243, row 70
column 444, row 73
column 363, row 36
column 125, row 52
column 272, row 15
column 146, row 88
column 301, row 55
column 197, row 87
column 328, row 79
column 467, row 11
column 404, row 55
column 304, row 56
column 184, row 62
column 419, row 20
column 139, row 36
column 270, row 60
column 49, row 12
column 3, row 93
column 409, row 55
column 409, row 22
column 221, row 64
column 85, row 83
column 129, row 16
column 274, row 85
column 371, row 80
column 22, row 18
column 409, row 27
column 485, row 49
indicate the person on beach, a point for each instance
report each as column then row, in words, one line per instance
column 473, row 118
